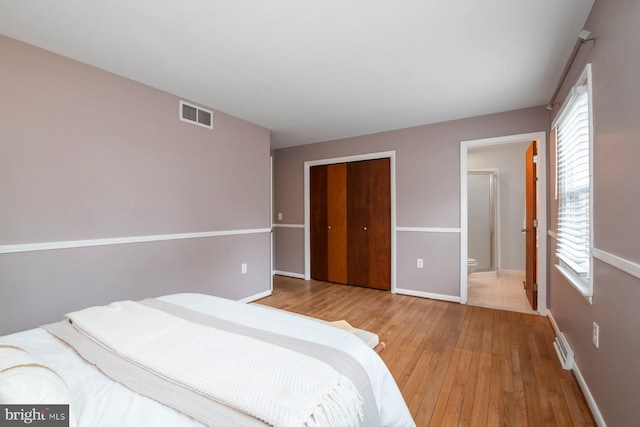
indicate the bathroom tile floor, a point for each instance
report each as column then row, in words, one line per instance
column 504, row 291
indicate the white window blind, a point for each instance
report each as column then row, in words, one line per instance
column 573, row 182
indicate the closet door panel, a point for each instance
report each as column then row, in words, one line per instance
column 379, row 256
column 337, row 222
column 358, row 223
column 318, row 220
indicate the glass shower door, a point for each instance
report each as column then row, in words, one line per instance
column 481, row 200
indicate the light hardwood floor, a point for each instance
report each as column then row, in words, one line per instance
column 455, row 365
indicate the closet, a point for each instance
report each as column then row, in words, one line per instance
column 351, row 223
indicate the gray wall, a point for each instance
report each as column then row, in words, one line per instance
column 85, row 154
column 510, row 160
column 427, row 192
column 612, row 372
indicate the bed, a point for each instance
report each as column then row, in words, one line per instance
column 97, row 399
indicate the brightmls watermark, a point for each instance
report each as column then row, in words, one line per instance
column 34, row 415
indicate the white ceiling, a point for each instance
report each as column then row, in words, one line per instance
column 319, row 70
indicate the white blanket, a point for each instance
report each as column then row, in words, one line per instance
column 102, row 402
column 277, row 385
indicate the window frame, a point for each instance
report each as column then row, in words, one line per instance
column 582, row 285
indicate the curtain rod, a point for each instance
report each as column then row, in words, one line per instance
column 583, row 37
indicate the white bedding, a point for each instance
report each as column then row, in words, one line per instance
column 99, row 401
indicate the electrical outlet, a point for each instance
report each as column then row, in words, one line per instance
column 596, row 335
column 243, row 268
column 279, row 216
column 420, row 263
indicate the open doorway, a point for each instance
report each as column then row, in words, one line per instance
column 493, row 238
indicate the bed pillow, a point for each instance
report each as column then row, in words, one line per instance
column 26, row 380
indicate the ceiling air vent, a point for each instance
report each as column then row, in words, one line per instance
column 196, row 115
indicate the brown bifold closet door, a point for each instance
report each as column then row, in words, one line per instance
column 379, row 226
column 351, row 223
column 318, row 222
column 358, row 223
column 337, row 222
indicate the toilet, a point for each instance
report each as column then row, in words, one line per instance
column 472, row 264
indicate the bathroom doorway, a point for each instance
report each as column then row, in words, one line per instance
column 493, row 243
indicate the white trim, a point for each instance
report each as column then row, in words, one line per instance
column 307, row 200
column 255, row 297
column 595, row 411
column 429, row 295
column 620, row 263
column 392, row 160
column 31, row 247
column 541, row 207
column 271, row 247
column 429, row 229
column 289, row 225
column 289, row 274
column 464, row 226
column 509, row 139
column 553, row 322
column 354, row 158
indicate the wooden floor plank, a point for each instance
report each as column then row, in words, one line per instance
column 454, row 364
column 466, row 412
column 481, row 400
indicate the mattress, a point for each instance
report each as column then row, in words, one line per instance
column 100, row 401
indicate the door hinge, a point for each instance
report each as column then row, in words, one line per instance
column 535, row 223
column 535, row 287
column 535, row 159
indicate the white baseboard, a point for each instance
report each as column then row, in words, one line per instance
column 595, row 411
column 255, row 297
column 288, row 274
column 553, row 323
column 429, row 295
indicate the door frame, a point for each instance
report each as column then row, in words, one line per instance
column 391, row 155
column 541, row 138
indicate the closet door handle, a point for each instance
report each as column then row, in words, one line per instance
column 329, row 227
column 364, row 228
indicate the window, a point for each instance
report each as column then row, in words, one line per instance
column 573, row 130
